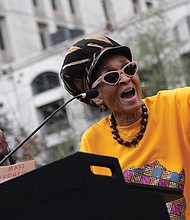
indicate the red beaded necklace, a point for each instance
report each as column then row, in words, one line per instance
column 139, row 135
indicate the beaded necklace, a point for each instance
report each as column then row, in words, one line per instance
column 139, row 135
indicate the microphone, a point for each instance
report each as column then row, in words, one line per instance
column 92, row 93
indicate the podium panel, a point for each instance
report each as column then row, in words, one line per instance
column 67, row 189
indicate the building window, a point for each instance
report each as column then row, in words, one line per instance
column 59, row 120
column 72, row 8
column 54, row 5
column 108, row 14
column 136, row 6
column 5, row 52
column 2, row 35
column 185, row 58
column 2, row 47
column 64, row 33
column 149, row 4
column 188, row 23
column 35, row 3
column 105, row 9
column 44, row 35
column 182, row 30
column 57, row 9
column 38, row 4
column 44, row 82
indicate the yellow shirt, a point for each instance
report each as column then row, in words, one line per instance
column 166, row 140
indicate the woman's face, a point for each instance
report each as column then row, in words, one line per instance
column 124, row 97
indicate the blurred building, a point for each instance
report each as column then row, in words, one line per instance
column 34, row 37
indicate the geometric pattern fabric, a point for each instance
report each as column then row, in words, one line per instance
column 157, row 175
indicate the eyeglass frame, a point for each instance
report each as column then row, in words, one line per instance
column 101, row 78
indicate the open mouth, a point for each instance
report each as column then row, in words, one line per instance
column 128, row 94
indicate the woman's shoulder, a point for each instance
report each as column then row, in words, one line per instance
column 176, row 91
column 169, row 95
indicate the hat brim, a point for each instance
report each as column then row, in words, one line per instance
column 108, row 51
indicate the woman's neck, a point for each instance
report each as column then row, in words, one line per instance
column 127, row 118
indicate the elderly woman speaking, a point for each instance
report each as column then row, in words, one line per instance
column 150, row 136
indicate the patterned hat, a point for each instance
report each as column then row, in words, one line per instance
column 79, row 65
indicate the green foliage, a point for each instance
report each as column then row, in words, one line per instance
column 186, row 67
column 59, row 151
column 59, row 120
column 154, row 47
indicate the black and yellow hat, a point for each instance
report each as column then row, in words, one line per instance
column 79, row 65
